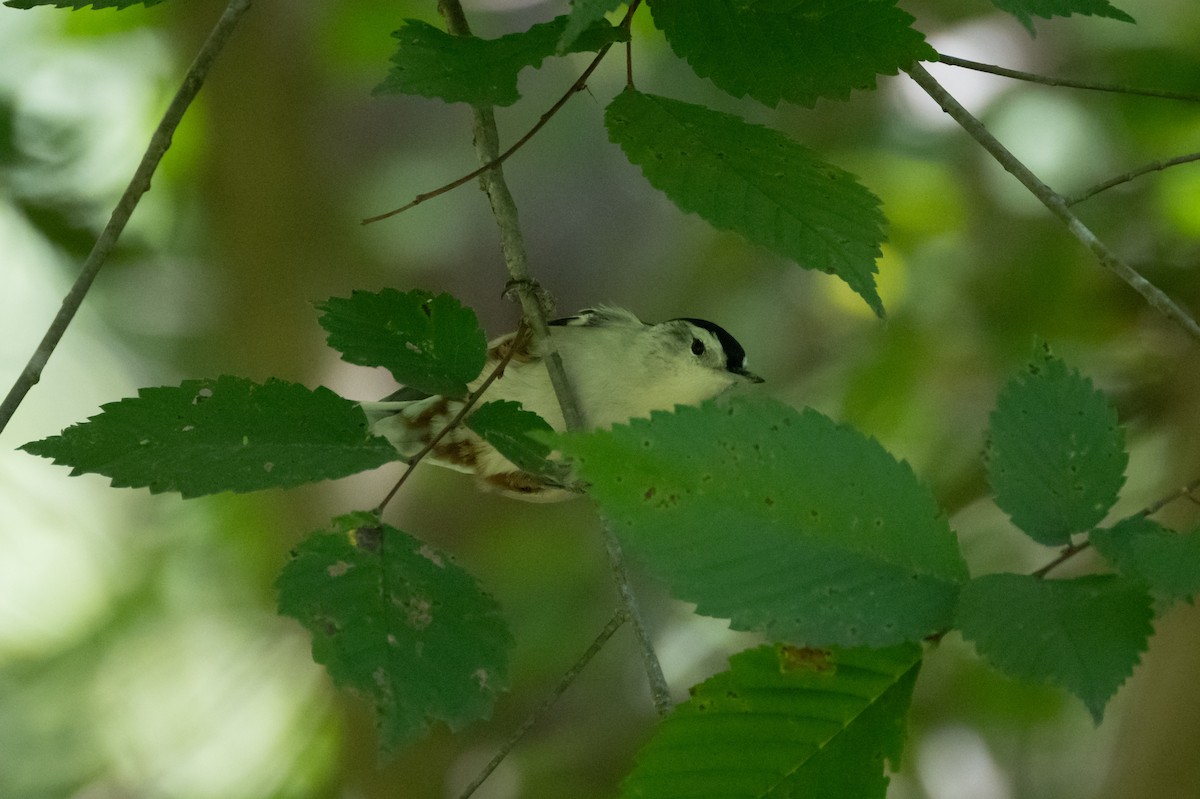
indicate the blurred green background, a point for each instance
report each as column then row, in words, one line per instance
column 140, row 655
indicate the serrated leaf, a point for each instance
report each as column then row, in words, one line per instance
column 753, row 180
column 75, row 5
column 584, row 14
column 482, row 72
column 793, row 50
column 783, row 522
column 227, row 434
column 1026, row 10
column 1056, row 455
column 1144, row 550
column 1084, row 634
column 507, row 427
column 398, row 622
column 431, row 343
column 784, row 722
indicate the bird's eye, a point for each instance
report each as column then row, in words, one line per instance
column 697, row 347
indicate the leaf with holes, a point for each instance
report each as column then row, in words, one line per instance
column 482, row 72
column 1026, row 10
column 793, row 50
column 399, row 623
column 431, row 343
column 1144, row 550
column 1084, row 635
column 784, row 722
column 755, row 181
column 227, row 434
column 1056, row 455
column 784, row 522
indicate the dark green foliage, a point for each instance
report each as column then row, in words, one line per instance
column 584, row 14
column 1025, row 10
column 467, row 69
column 1084, row 635
column 431, row 343
column 792, row 50
column 1166, row 561
column 784, row 722
column 227, row 434
column 779, row 520
column 399, row 623
column 507, row 427
column 1056, row 455
column 755, row 181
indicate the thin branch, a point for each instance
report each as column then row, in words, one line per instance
column 1072, row 550
column 1053, row 201
column 1185, row 491
column 518, row 343
column 139, row 184
column 533, row 305
column 1046, row 80
column 1067, row 552
column 533, row 718
column 1156, row 166
column 579, row 85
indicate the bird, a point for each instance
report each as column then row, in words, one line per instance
column 618, row 366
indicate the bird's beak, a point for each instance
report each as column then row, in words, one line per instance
column 753, row 378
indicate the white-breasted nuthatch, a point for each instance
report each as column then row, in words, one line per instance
column 618, row 366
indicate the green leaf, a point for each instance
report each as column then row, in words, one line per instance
column 507, row 427
column 78, row 4
column 227, row 434
column 482, row 72
column 784, row 722
column 399, row 623
column 793, row 50
column 584, row 14
column 430, row 343
column 1084, row 635
column 1144, row 550
column 1025, row 10
column 783, row 522
column 755, row 181
column 1056, row 455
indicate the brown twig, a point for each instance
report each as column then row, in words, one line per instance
column 1156, row 166
column 533, row 306
column 618, row 618
column 518, row 343
column 579, row 85
column 1065, row 554
column 1072, row 550
column 1054, row 202
column 1047, row 80
column 139, row 184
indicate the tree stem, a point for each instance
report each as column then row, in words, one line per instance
column 533, row 305
column 1055, row 202
column 597, row 644
column 139, row 184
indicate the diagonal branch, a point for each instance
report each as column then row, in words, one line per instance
column 579, row 85
column 1071, row 550
column 1154, row 166
column 533, row 302
column 518, row 343
column 618, row 618
column 139, row 184
column 1046, row 80
column 1054, row 202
